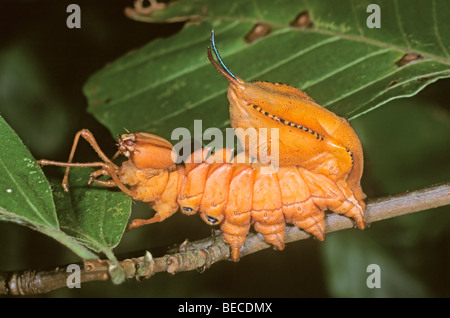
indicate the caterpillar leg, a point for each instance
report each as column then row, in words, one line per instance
column 271, row 224
column 140, row 222
column 237, row 220
column 165, row 207
column 354, row 207
column 89, row 137
column 298, row 207
column 107, row 167
column 267, row 213
column 93, row 177
column 337, row 197
column 306, row 216
column 111, row 170
column 235, row 230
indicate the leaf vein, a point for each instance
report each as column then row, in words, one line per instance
column 297, row 55
column 158, row 83
column 369, row 83
column 394, row 97
column 268, row 69
column 436, row 31
column 165, row 52
column 400, row 25
column 344, row 67
column 355, row 16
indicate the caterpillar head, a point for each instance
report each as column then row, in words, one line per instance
column 147, row 151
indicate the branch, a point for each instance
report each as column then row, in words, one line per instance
column 203, row 253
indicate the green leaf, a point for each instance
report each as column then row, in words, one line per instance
column 347, row 259
column 90, row 216
column 25, row 195
column 96, row 216
column 405, row 148
column 339, row 61
column 411, row 150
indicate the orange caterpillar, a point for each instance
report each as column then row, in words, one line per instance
column 320, row 158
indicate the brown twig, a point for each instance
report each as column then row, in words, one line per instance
column 203, row 253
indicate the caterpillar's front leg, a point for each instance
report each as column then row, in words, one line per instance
column 140, row 222
column 93, row 177
column 161, row 191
